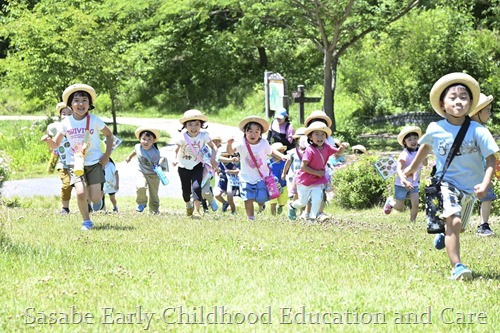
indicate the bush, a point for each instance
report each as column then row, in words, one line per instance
column 359, row 186
column 4, row 168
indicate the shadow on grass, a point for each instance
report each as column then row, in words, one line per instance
column 486, row 275
column 109, row 226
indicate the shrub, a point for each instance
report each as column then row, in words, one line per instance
column 4, row 168
column 359, row 186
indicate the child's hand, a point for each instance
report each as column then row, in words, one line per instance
column 480, row 190
column 45, row 137
column 127, row 159
column 236, row 159
column 408, row 172
column 175, row 162
column 230, row 140
column 320, row 173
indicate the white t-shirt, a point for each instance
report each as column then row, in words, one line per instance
column 74, row 130
column 248, row 170
column 188, row 156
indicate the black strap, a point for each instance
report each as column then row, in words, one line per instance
column 455, row 146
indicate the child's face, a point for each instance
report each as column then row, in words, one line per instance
column 485, row 114
column 147, row 141
column 456, row 102
column 66, row 112
column 80, row 105
column 253, row 134
column 411, row 141
column 193, row 127
column 318, row 137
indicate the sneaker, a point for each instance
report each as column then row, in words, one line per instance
column 292, row 214
column 461, row 272
column 64, row 211
column 189, row 211
column 484, row 230
column 279, row 210
column 225, row 205
column 214, row 205
column 97, row 206
column 87, row 225
column 322, row 217
column 439, row 242
column 388, row 206
column 115, row 209
column 140, row 208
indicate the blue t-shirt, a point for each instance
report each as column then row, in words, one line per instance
column 277, row 169
column 466, row 170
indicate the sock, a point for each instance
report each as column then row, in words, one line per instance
column 66, row 209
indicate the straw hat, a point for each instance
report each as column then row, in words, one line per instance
column 141, row 129
column 254, row 119
column 361, row 148
column 60, row 106
column 216, row 138
column 318, row 126
column 193, row 115
column 79, row 87
column 453, row 79
column 318, row 114
column 407, row 130
column 299, row 132
column 484, row 101
column 278, row 146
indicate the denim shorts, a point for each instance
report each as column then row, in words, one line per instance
column 401, row 192
column 457, row 203
column 256, row 192
column 490, row 194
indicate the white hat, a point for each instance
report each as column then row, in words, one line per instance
column 452, row 79
column 361, row 148
column 141, row 129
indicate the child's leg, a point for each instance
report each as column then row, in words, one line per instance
column 230, row 201
column 452, row 239
column 112, row 198
column 303, row 193
column 141, row 186
column 273, row 208
column 154, row 188
column 316, row 200
column 196, row 179
column 81, row 198
column 250, row 209
column 414, row 199
column 66, row 187
column 485, row 211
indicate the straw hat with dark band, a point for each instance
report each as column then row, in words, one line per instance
column 254, row 119
column 141, row 129
column 449, row 80
column 193, row 115
column 79, row 87
column 407, row 130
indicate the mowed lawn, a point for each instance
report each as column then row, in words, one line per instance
column 361, row 272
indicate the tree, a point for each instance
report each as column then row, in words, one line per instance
column 333, row 27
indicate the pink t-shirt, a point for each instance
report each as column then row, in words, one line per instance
column 317, row 159
column 407, row 158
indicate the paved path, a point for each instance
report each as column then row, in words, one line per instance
column 127, row 172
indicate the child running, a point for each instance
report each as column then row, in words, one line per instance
column 62, row 168
column 481, row 115
column 111, row 186
column 406, row 187
column 84, row 157
column 311, row 178
column 277, row 166
column 189, row 157
column 254, row 151
column 453, row 96
column 148, row 157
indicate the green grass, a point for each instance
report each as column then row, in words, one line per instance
column 363, row 263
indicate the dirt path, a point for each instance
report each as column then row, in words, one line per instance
column 127, row 171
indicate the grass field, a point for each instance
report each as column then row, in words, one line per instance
column 361, row 272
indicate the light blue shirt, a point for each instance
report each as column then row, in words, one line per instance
column 466, row 170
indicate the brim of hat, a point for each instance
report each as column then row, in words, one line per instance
column 357, row 147
column 78, row 87
column 152, row 130
column 307, row 122
column 481, row 105
column 326, row 130
column 404, row 133
column 296, row 136
column 254, row 119
column 199, row 117
column 452, row 79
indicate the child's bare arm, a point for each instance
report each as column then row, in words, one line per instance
column 129, row 157
column 421, row 155
column 306, row 168
column 480, row 189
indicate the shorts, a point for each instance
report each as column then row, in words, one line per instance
column 282, row 199
column 401, row 192
column 457, row 203
column 92, row 174
column 222, row 184
column 490, row 195
column 256, row 192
